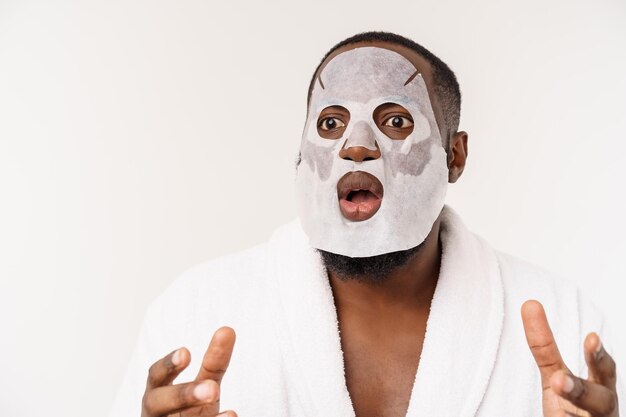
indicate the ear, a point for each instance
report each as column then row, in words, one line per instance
column 457, row 155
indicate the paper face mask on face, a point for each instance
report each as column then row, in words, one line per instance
column 402, row 182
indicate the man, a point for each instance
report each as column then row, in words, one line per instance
column 378, row 301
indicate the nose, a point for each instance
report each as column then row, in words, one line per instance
column 359, row 154
column 361, row 145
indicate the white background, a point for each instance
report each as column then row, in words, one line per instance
column 138, row 138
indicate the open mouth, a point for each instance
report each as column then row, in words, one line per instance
column 360, row 195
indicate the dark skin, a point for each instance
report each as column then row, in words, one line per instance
column 383, row 325
column 382, row 331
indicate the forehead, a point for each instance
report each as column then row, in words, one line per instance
column 370, row 69
column 364, row 72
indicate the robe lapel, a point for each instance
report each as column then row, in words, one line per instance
column 463, row 328
column 307, row 328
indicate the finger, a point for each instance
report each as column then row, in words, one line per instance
column 541, row 340
column 217, row 356
column 166, row 369
column 594, row 398
column 601, row 365
column 170, row 399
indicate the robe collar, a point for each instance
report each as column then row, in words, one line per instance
column 462, row 332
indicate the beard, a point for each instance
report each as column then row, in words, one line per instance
column 371, row 269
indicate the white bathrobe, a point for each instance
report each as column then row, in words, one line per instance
column 288, row 361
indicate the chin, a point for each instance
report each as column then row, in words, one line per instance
column 371, row 269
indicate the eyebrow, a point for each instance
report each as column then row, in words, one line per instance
column 412, row 77
column 319, row 78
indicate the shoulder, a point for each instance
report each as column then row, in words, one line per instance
column 221, row 274
column 241, row 271
column 524, row 280
column 226, row 288
column 570, row 312
column 212, row 293
column 524, row 277
column 236, row 273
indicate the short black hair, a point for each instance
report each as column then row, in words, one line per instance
column 446, row 85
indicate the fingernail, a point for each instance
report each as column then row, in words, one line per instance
column 223, row 414
column 176, row 358
column 203, row 391
column 568, row 385
column 599, row 347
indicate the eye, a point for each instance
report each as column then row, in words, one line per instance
column 393, row 120
column 399, row 122
column 330, row 123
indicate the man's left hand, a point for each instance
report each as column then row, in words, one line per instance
column 565, row 394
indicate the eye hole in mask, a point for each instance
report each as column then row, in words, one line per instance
column 393, row 120
column 332, row 122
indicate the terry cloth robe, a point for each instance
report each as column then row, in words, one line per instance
column 288, row 361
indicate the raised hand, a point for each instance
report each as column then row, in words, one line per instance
column 565, row 394
column 200, row 398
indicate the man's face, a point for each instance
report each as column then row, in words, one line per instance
column 373, row 174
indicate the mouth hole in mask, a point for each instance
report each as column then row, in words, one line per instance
column 360, row 195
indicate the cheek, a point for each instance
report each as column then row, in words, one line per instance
column 318, row 158
column 411, row 163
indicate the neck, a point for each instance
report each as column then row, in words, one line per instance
column 410, row 285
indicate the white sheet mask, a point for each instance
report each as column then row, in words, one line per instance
column 413, row 171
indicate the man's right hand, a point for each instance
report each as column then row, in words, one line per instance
column 200, row 398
